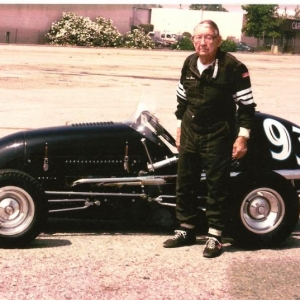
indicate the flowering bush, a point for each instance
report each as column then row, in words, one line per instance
column 137, row 39
column 72, row 30
column 76, row 30
column 106, row 35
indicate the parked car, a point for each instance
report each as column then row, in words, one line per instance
column 128, row 169
column 164, row 39
column 168, row 38
column 241, row 46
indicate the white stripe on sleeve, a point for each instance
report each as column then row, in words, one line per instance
column 181, row 91
column 244, row 96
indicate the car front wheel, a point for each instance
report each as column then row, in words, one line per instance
column 23, row 209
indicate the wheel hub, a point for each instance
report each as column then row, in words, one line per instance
column 259, row 208
column 9, row 208
column 262, row 210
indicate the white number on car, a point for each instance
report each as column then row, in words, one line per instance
column 279, row 136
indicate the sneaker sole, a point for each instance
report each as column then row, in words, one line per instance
column 183, row 245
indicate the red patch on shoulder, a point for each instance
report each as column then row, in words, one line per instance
column 244, row 75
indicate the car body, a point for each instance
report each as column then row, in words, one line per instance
column 128, row 169
column 162, row 39
column 242, row 46
column 168, row 38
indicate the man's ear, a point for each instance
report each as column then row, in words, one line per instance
column 219, row 40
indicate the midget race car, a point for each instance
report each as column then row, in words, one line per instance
column 128, row 170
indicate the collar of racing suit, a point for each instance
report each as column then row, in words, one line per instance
column 215, row 66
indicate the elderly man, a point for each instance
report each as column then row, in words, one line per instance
column 214, row 98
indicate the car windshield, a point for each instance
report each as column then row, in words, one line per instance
column 145, row 122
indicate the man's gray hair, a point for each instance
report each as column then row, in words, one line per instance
column 211, row 24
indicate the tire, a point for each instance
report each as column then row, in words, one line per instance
column 23, row 209
column 264, row 210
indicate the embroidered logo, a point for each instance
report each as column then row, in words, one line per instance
column 244, row 75
column 189, row 77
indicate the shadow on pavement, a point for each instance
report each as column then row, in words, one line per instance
column 61, row 227
column 48, row 243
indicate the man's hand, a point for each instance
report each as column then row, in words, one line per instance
column 239, row 147
column 178, row 133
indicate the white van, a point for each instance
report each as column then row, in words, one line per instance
column 164, row 38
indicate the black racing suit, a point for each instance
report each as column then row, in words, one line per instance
column 211, row 107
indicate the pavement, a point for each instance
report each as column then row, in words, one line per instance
column 48, row 86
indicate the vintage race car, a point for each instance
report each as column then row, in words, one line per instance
column 128, row 169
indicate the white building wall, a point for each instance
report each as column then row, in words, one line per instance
column 184, row 20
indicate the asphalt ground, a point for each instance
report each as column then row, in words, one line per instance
column 82, row 259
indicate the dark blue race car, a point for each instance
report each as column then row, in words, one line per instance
column 127, row 170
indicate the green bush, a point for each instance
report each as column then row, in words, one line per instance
column 147, row 27
column 228, row 46
column 185, row 43
column 187, row 34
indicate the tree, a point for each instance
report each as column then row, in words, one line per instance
column 211, row 7
column 287, row 14
column 262, row 21
column 297, row 13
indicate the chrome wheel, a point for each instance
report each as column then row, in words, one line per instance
column 16, row 210
column 262, row 210
column 265, row 209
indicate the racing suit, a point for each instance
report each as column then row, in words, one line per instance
column 211, row 107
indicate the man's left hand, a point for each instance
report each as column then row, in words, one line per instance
column 239, row 147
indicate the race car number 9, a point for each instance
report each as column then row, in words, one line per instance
column 279, row 136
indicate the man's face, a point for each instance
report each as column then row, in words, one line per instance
column 206, row 42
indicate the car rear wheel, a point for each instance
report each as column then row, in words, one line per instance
column 264, row 210
column 23, row 209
